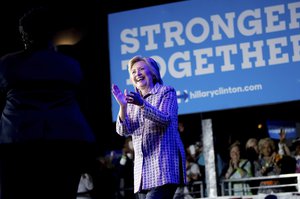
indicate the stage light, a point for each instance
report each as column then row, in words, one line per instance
column 69, row 36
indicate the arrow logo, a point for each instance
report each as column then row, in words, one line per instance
column 182, row 96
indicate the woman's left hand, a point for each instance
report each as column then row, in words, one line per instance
column 135, row 98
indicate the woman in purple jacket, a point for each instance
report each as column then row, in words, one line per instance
column 150, row 116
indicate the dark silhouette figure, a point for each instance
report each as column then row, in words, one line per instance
column 45, row 141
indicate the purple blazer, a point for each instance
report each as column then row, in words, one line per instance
column 158, row 150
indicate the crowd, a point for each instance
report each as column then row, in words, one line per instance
column 254, row 158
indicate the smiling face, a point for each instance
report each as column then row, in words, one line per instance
column 141, row 77
column 267, row 149
column 235, row 153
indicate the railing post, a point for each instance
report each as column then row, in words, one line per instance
column 201, row 189
column 222, row 188
column 298, row 182
column 209, row 157
column 229, row 189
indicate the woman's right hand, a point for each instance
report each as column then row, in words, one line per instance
column 119, row 96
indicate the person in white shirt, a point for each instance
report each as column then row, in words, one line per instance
column 85, row 186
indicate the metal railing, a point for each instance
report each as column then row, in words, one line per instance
column 191, row 190
column 196, row 189
column 229, row 190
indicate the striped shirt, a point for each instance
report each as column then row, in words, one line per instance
column 157, row 145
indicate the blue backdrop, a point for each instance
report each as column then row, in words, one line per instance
column 217, row 54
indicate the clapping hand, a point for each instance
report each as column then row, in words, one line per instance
column 135, row 98
column 282, row 136
column 119, row 96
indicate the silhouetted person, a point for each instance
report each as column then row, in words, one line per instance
column 45, row 140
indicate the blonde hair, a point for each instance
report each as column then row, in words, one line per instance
column 152, row 65
column 235, row 144
column 263, row 141
column 249, row 142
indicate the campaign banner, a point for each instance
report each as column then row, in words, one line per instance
column 217, row 54
column 275, row 128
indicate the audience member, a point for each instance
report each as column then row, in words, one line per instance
column 193, row 174
column 219, row 165
column 238, row 168
column 283, row 149
column 125, row 172
column 296, row 153
column 186, row 136
column 85, row 186
column 268, row 165
column 252, row 154
column 251, row 147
